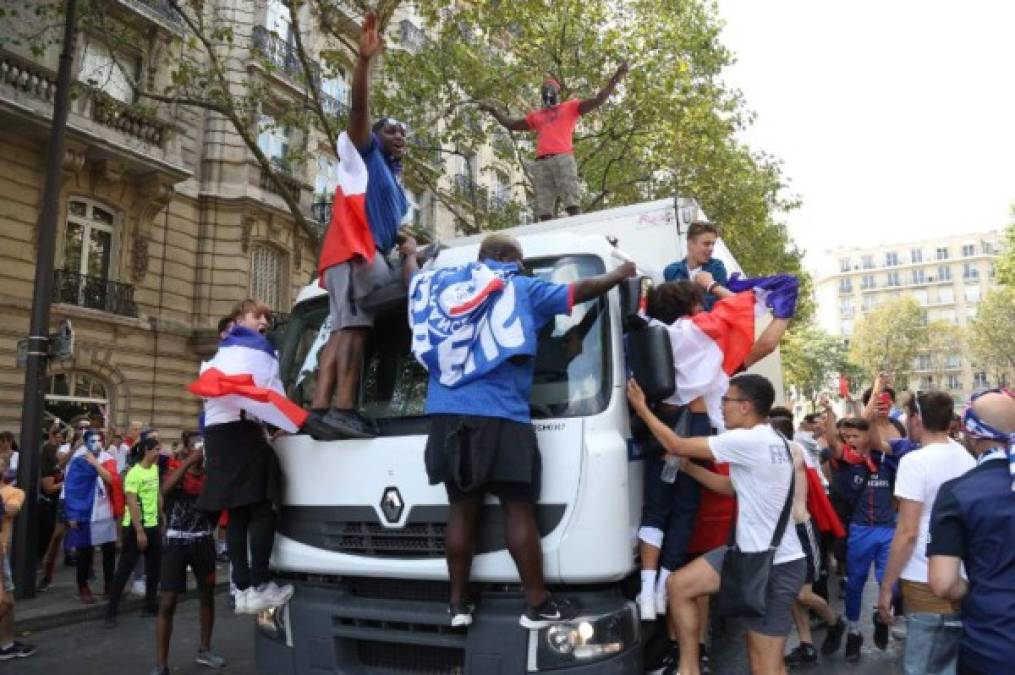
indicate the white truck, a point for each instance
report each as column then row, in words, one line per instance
column 361, row 531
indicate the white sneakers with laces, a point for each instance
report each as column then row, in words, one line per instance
column 252, row 600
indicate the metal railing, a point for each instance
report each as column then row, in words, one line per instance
column 282, row 55
column 94, row 293
column 162, row 8
column 411, row 37
column 333, row 106
column 321, row 212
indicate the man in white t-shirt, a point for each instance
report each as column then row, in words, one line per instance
column 761, row 470
column 921, row 473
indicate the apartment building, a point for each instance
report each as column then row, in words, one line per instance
column 166, row 218
column 947, row 276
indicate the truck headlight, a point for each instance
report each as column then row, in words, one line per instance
column 274, row 622
column 585, row 639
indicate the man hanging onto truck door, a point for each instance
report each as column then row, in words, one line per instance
column 475, row 327
column 368, row 209
column 554, row 171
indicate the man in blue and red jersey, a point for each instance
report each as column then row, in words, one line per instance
column 555, row 173
column 354, row 259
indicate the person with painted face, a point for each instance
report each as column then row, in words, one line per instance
column 354, row 253
column 90, row 508
column 555, row 172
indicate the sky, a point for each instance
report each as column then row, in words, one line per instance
column 894, row 119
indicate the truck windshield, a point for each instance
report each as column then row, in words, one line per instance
column 572, row 373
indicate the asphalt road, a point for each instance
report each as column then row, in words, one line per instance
column 90, row 649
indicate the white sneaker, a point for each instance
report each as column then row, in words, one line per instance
column 661, row 604
column 240, row 600
column 277, row 595
column 647, row 606
column 258, row 599
column 138, row 588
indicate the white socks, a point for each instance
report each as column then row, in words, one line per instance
column 648, row 582
column 664, row 574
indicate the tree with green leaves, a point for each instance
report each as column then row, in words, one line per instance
column 889, row 338
column 812, row 360
column 990, row 335
column 1006, row 263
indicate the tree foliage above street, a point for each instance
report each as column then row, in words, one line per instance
column 1006, row 263
column 990, row 335
column 889, row 338
column 812, row 359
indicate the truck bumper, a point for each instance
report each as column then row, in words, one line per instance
column 390, row 626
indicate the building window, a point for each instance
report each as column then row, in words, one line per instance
column 335, row 94
column 972, row 294
column 968, row 250
column 980, row 380
column 868, row 262
column 326, row 179
column 891, row 259
column 954, row 361
column 916, row 255
column 992, row 272
column 988, row 248
column 923, row 362
column 277, row 19
column 846, row 307
column 869, row 303
column 843, row 264
column 845, row 285
column 113, row 72
column 921, row 298
column 954, row 383
column 75, row 394
column 273, row 140
column 918, row 276
column 941, row 253
column 893, row 279
column 266, row 276
column 970, row 272
column 944, row 273
column 867, row 282
column 90, row 240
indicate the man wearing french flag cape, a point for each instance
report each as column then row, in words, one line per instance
column 709, row 347
column 242, row 390
column 366, row 214
column 475, row 329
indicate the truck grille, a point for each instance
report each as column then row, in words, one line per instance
column 418, row 540
column 423, row 660
column 398, row 589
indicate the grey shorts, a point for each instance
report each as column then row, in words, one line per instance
column 553, row 177
column 784, row 584
column 344, row 286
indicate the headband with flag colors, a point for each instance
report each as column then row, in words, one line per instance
column 977, row 428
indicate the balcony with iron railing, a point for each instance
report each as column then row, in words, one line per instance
column 334, row 107
column 94, row 293
column 283, row 58
column 411, row 36
column 160, row 12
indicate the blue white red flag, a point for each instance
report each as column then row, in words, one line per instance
column 88, row 501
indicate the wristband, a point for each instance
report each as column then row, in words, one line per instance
column 711, row 286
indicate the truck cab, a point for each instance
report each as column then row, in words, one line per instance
column 361, row 531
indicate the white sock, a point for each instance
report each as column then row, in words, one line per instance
column 648, row 582
column 853, row 627
column 664, row 574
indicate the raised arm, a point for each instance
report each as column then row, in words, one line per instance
column 589, row 104
column 103, row 472
column 593, row 287
column 695, row 447
column 176, row 475
column 508, row 123
column 370, row 44
column 767, row 341
column 831, row 433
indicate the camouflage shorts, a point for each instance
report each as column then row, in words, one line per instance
column 553, row 177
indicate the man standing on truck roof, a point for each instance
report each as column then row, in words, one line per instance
column 554, row 171
column 475, row 328
column 354, row 253
column 700, row 266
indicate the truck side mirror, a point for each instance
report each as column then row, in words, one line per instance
column 633, row 301
column 650, row 361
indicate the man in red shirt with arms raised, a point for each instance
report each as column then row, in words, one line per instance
column 554, row 172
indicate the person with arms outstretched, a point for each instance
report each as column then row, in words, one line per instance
column 554, row 171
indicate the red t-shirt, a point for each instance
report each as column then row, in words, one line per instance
column 715, row 516
column 554, row 127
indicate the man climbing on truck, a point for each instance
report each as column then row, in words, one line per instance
column 475, row 327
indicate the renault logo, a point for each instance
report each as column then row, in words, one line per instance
column 392, row 504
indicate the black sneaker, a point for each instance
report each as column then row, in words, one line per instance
column 880, row 632
column 461, row 614
column 833, row 638
column 664, row 661
column 18, row 650
column 704, row 662
column 853, row 643
column 803, row 655
column 44, row 584
column 349, row 423
column 319, row 430
column 553, row 610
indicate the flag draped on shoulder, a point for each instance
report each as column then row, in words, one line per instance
column 819, row 506
column 467, row 320
column 348, row 235
column 708, row 347
column 89, row 502
column 243, row 375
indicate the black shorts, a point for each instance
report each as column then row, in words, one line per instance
column 474, row 455
column 805, row 531
column 178, row 554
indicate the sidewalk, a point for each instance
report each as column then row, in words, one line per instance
column 59, row 604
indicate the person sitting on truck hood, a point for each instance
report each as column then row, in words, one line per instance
column 699, row 266
column 369, row 206
column 475, row 327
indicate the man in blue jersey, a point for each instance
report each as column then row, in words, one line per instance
column 699, row 266
column 475, row 329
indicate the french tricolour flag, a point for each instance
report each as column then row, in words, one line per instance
column 348, row 234
column 243, row 375
column 708, row 347
column 89, row 502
